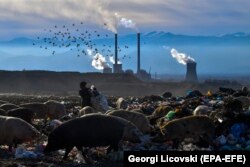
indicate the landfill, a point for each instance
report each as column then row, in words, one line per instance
column 227, row 109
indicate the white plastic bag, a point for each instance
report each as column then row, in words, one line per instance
column 100, row 103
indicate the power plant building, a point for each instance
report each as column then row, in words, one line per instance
column 191, row 75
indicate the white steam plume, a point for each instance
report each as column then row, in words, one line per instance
column 43, row 11
column 99, row 62
column 112, row 60
column 181, row 57
column 127, row 23
column 28, row 11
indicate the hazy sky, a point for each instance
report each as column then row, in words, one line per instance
column 203, row 17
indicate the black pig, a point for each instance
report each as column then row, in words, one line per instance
column 23, row 113
column 92, row 130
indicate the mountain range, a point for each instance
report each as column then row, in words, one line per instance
column 224, row 54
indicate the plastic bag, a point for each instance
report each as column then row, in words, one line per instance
column 170, row 115
column 21, row 152
column 100, row 103
column 237, row 129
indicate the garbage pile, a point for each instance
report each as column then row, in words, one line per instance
column 197, row 121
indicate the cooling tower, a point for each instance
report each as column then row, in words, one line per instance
column 191, row 75
column 138, row 53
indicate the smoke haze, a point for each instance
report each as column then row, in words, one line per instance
column 127, row 23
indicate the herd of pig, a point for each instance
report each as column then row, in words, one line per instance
column 89, row 130
column 196, row 116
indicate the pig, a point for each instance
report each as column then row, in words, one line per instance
column 8, row 106
column 3, row 102
column 55, row 109
column 15, row 131
column 137, row 110
column 189, row 127
column 40, row 109
column 86, row 110
column 3, row 112
column 158, row 113
column 121, row 103
column 136, row 118
column 161, row 111
column 23, row 113
column 92, row 130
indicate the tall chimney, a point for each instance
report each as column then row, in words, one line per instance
column 138, row 53
column 191, row 75
column 115, row 66
column 116, row 57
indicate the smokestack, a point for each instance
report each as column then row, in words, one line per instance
column 117, row 68
column 115, row 65
column 116, row 57
column 191, row 75
column 138, row 53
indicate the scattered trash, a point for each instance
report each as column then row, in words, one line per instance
column 202, row 110
column 194, row 93
column 21, row 152
column 79, row 158
column 167, row 95
column 170, row 115
column 116, row 156
column 227, row 108
column 221, row 140
column 209, row 93
column 238, row 129
column 231, row 139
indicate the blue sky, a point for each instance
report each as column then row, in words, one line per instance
column 199, row 17
column 29, row 18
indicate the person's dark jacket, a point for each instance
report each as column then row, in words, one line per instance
column 85, row 97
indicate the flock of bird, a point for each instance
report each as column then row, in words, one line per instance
column 77, row 39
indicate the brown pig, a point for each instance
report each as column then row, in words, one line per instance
column 55, row 109
column 136, row 118
column 16, row 131
column 189, row 127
